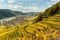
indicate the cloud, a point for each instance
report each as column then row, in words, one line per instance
column 11, row 1
column 48, row 3
column 52, row 2
column 22, row 8
column 30, row 9
column 55, row 0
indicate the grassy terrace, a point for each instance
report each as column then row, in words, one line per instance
column 47, row 29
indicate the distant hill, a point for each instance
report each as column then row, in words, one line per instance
column 55, row 9
column 32, row 13
column 6, row 13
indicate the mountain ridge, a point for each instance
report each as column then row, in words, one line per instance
column 6, row 13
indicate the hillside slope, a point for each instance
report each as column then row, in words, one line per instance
column 55, row 9
column 46, row 29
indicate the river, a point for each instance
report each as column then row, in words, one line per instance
column 7, row 19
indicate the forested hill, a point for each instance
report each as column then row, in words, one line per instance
column 6, row 13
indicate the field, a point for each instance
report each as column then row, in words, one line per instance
column 47, row 29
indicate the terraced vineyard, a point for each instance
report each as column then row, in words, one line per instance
column 47, row 29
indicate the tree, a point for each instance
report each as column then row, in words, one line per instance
column 39, row 18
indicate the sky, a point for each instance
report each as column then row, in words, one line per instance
column 27, row 5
